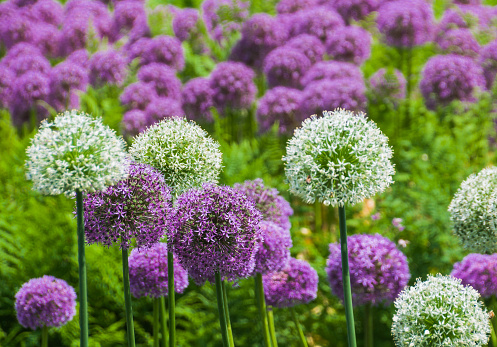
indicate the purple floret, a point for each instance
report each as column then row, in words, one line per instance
column 458, row 41
column 7, row 79
column 295, row 284
column 350, row 44
column 15, row 27
column 224, row 17
column 215, row 230
column 446, row 78
column 355, row 9
column 65, row 79
column 80, row 57
column 310, row 45
column 93, row 11
column 162, row 78
column 136, row 49
column 164, row 49
column 292, row 6
column 138, row 95
column 134, row 122
column 29, row 63
column 285, row 67
column 134, row 208
column 198, row 98
column 20, row 50
column 185, row 24
column 148, row 272
column 127, row 15
column 406, row 23
column 331, row 70
column 466, row 16
column 478, row 271
column 161, row 108
column 274, row 251
column 27, row 90
column 107, row 67
column 280, row 104
column 378, row 270
column 233, row 85
column 48, row 38
column 45, row 301
column 48, row 11
column 318, row 21
column 274, row 207
column 488, row 61
column 388, row 85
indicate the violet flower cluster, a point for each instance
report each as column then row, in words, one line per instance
column 479, row 271
column 198, row 98
column 285, row 67
column 388, row 85
column 66, row 79
column 224, row 17
column 318, row 21
column 162, row 78
column 164, row 49
column 310, row 45
column 355, row 9
column 134, row 122
column 378, row 270
column 331, row 70
column 274, row 251
column 185, row 24
column 458, row 41
column 292, row 6
column 162, row 108
column 107, row 67
column 488, row 61
column 350, row 44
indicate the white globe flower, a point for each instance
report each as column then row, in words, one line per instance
column 338, row 158
column 75, row 152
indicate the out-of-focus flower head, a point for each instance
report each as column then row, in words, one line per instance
column 134, row 122
column 138, row 95
column 48, row 38
column 318, row 21
column 20, row 50
column 350, row 44
column 27, row 91
column 7, row 79
column 331, row 70
column 185, row 24
column 285, row 67
column 274, row 251
column 161, row 108
column 162, row 78
column 478, row 271
column 127, row 15
column 164, row 49
column 48, row 11
column 488, row 61
column 310, row 45
column 388, row 85
column 65, row 79
column 458, row 41
column 15, row 27
column 198, row 98
column 29, row 63
column 107, row 67
column 224, row 17
column 355, row 9
column 292, row 6
column 79, row 57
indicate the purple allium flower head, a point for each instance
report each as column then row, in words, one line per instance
column 378, row 270
column 79, row 57
column 280, row 104
column 15, row 27
column 7, row 79
column 310, row 45
column 274, row 251
column 233, row 85
column 198, row 98
column 215, row 230
column 285, row 67
column 48, row 38
column 185, row 24
column 127, row 14
column 350, row 44
column 20, row 50
column 148, row 272
column 268, row 201
column 75, row 33
column 162, row 78
column 331, row 70
column 458, row 41
column 450, row 77
column 107, row 67
column 292, row 6
column 135, row 207
column 479, row 271
column 296, row 283
column 318, row 21
column 136, row 49
column 224, row 17
column 93, row 11
column 465, row 16
column 488, row 61
column 45, row 301
column 355, row 9
column 138, row 95
column 345, row 93
column 166, row 50
column 161, row 108
column 29, row 63
column 65, row 79
column 387, row 84
column 27, row 89
column 406, row 23
column 134, row 122
column 265, row 31
column 48, row 11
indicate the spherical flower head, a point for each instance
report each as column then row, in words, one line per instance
column 20, row 50
column 215, row 230
column 292, row 6
column 68, row 76
column 465, row 16
column 138, row 95
column 90, row 11
column 338, row 158
column 274, row 252
column 7, row 79
column 285, row 67
column 182, row 151
column 473, row 211
column 460, row 42
column 355, row 9
column 488, row 61
column 163, row 108
column 127, row 14
column 79, row 57
column 136, row 49
column 478, row 271
column 268, row 201
column 48, row 37
column 29, row 63
column 317, row 21
column 198, row 98
column 15, row 27
column 134, row 122
column 378, row 270
column 162, row 78
column 133, row 208
column 406, row 23
column 310, row 45
column 388, row 85
column 107, row 67
column 224, row 17
column 282, row 105
column 264, row 31
column 331, row 70
column 48, row 11
column 166, row 50
column 148, row 272
column 185, row 24
column 446, row 78
column 233, row 85
column 27, row 91
column 75, row 152
column 295, row 284
column 350, row 44
column 45, row 302
column 440, row 312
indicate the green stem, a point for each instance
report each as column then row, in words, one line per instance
column 261, row 305
column 127, row 300
column 303, row 340
column 163, row 321
column 221, row 310
column 170, row 298
column 272, row 331
column 368, row 325
column 44, row 336
column 349, row 313
column 83, row 288
column 156, row 321
column 493, row 337
column 318, row 217
column 227, row 313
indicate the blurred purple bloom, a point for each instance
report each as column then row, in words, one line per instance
column 134, row 122
column 378, row 270
column 164, row 49
column 136, row 49
column 465, row 16
column 458, row 41
column 48, row 11
column 14, row 28
column 20, row 50
column 274, row 251
column 29, row 63
column 48, row 38
column 376, row 216
column 65, row 79
column 7, row 79
column 285, row 67
column 162, row 78
column 185, row 24
column 198, row 98
column 93, row 11
column 387, row 84
column 107, row 67
column 350, row 44
column 224, row 17
column 318, row 21
column 292, row 6
column 138, row 95
column 161, row 108
column 397, row 222
column 488, row 61
column 355, row 9
column 331, row 70
column 127, row 15
column 79, row 57
column 478, row 271
column 27, row 89
column 310, row 45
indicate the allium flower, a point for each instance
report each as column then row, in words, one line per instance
column 163, row 108
column 479, row 271
column 440, row 312
column 138, row 95
column 127, row 14
column 15, row 28
column 406, row 23
column 20, row 50
column 465, row 16
column 338, row 158
column 473, row 211
column 27, row 90
column 292, row 6
column 107, row 67
column 233, row 85
column 197, row 96
column 285, row 67
column 224, row 17
column 310, row 45
column 162, row 78
column 148, row 272
column 450, row 77
column 331, row 70
column 488, row 61
column 48, row 11
column 90, row 11
column 7, row 79
column 295, row 284
column 133, row 208
column 274, row 207
column 74, row 152
column 458, row 41
column 274, row 252
column 75, row 34
column 166, row 50
column 282, row 105
column 48, row 38
column 215, row 230
column 378, row 270
column 388, row 85
column 317, row 21
column 134, row 122
column 45, row 301
column 350, row 44
column 181, row 151
column 29, row 63
column 355, row 9
column 79, row 57
column 136, row 49
column 185, row 24
column 66, row 78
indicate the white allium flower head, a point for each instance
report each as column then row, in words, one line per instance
column 473, row 212
column 182, row 151
column 75, row 152
column 339, row 158
column 440, row 312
